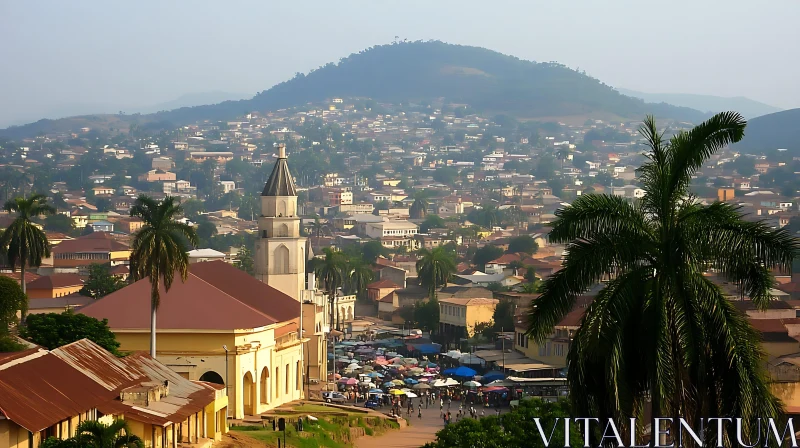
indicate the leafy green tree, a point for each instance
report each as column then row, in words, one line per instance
column 205, row 230
column 12, row 300
column 744, row 166
column 59, row 222
column 660, row 333
column 331, row 276
column 432, row 222
column 516, row 428
column 446, row 175
column 486, row 254
column 516, row 266
column 159, row 249
column 193, row 208
column 23, row 243
column 102, row 204
column 434, row 268
column 530, row 274
column 426, row 315
column 503, row 316
column 52, row 330
column 373, row 249
column 523, row 243
column 100, row 282
column 244, row 260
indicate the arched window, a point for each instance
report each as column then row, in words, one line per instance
column 264, row 385
column 212, row 377
column 299, row 376
column 282, row 208
column 277, row 381
column 281, row 259
column 287, row 378
column 283, row 230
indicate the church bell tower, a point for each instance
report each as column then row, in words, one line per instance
column 280, row 251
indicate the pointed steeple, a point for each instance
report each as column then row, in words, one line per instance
column 281, row 182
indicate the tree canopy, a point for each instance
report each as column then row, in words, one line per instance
column 100, row 282
column 486, row 254
column 523, row 243
column 52, row 330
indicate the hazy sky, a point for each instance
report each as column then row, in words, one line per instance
column 99, row 54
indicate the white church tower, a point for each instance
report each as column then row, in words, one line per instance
column 280, row 252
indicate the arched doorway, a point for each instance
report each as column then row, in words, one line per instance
column 248, row 392
column 264, row 385
column 212, row 377
column 349, row 313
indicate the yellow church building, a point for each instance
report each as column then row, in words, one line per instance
column 224, row 326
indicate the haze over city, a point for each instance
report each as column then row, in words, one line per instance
column 64, row 58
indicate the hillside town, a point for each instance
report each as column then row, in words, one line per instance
column 382, row 255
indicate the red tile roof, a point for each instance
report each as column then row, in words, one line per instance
column 215, row 295
column 93, row 242
column 380, row 284
column 55, row 281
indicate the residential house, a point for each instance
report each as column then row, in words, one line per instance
column 102, row 226
column 459, row 316
column 97, row 247
column 52, row 286
column 48, row 393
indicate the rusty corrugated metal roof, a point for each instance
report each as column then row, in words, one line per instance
column 40, row 390
column 185, row 397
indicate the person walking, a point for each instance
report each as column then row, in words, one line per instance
column 419, row 411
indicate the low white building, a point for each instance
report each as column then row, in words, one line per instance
column 383, row 229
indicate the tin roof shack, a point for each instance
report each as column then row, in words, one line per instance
column 47, row 394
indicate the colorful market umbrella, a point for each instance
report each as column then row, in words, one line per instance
column 472, row 384
column 420, row 386
column 411, row 381
column 348, row 381
column 396, row 392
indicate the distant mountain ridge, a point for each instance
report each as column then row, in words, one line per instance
column 780, row 130
column 707, row 103
column 423, row 71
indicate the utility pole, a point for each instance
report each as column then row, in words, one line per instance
column 503, row 339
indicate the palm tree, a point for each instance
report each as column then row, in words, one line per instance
column 492, row 216
column 434, row 267
column 359, row 275
column 23, row 242
column 419, row 208
column 316, row 228
column 331, row 275
column 660, row 330
column 93, row 434
column 159, row 249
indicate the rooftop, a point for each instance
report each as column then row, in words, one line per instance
column 215, row 296
column 280, row 182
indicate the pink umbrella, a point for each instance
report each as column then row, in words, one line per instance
column 348, row 381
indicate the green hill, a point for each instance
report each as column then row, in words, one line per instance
column 707, row 103
column 780, row 130
column 419, row 71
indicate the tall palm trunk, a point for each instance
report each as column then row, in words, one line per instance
column 154, row 299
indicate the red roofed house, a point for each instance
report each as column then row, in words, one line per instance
column 378, row 290
column 97, row 247
column 222, row 326
column 52, row 286
column 48, row 393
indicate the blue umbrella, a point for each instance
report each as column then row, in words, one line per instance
column 411, row 381
column 375, row 391
column 494, row 375
column 463, row 372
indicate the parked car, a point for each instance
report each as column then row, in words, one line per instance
column 372, row 403
column 333, row 397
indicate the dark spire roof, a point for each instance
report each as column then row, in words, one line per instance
column 281, row 182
